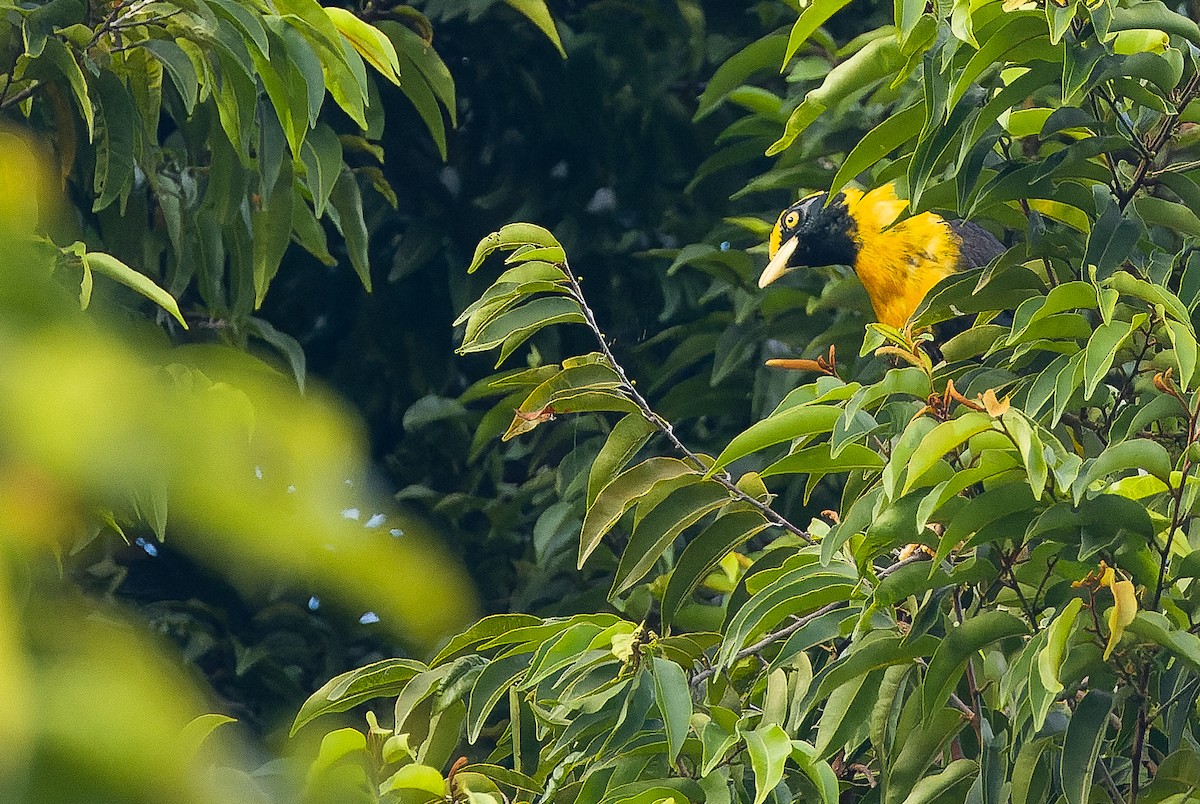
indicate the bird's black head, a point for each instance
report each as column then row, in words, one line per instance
column 811, row 233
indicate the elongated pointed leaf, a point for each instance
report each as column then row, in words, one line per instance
column 960, row 645
column 346, row 691
column 1081, row 746
column 704, row 553
column 659, row 528
column 620, row 495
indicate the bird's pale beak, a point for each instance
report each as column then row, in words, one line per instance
column 778, row 266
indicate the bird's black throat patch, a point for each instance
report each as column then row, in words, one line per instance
column 826, row 233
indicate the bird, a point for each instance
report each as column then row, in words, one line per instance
column 898, row 261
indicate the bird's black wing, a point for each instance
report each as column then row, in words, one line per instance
column 978, row 245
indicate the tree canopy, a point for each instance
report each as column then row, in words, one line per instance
column 578, row 543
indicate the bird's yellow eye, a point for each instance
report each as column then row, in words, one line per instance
column 791, row 220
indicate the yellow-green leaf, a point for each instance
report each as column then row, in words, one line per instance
column 110, row 266
column 369, row 41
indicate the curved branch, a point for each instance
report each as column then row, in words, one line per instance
column 664, row 426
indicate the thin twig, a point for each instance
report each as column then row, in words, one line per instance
column 1176, row 511
column 1106, row 779
column 663, row 425
column 972, row 687
column 1150, row 150
column 20, row 96
column 774, row 636
column 1186, row 689
column 1139, row 738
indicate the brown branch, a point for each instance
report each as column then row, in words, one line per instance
column 1150, row 150
column 664, row 426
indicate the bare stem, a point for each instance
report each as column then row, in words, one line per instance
column 664, row 426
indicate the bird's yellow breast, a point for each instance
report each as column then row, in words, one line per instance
column 898, row 263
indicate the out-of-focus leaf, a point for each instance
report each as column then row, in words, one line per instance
column 539, row 15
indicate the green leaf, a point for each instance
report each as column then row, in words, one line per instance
column 1129, row 285
column 916, row 753
column 947, row 436
column 271, row 224
column 1153, row 626
column 1153, row 15
column 115, row 141
column 1134, row 454
column 818, row 771
column 759, row 56
column 199, row 729
column 381, row 679
column 336, row 746
column 844, row 711
column 673, row 697
column 1028, row 438
column 346, row 199
column 1186, row 350
column 422, row 778
column 1050, row 658
column 818, row 461
column 1102, row 350
column 300, row 67
column 427, row 62
column 285, row 344
column 249, row 23
column 959, row 294
column 1081, row 746
column 768, row 747
column 931, row 788
column 321, row 154
column 959, row 646
column 879, row 59
column 813, row 16
column 880, row 141
column 1111, row 240
column 179, row 67
column 704, row 553
column 63, row 59
column 369, row 41
column 621, row 494
column 492, row 685
column 1013, row 31
column 510, row 237
column 660, row 527
column 421, row 94
column 110, row 266
column 796, row 422
column 627, row 437
column 1031, row 772
column 798, row 591
column 523, row 322
column 1161, row 212
column 539, row 15
column 482, row 631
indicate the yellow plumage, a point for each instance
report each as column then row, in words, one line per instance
column 898, row 261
